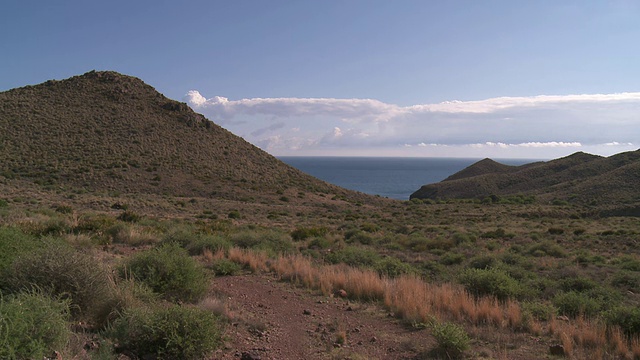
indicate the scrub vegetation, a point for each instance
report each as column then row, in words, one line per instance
column 109, row 244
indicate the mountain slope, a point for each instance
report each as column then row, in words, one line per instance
column 579, row 177
column 107, row 132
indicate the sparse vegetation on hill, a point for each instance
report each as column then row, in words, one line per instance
column 579, row 178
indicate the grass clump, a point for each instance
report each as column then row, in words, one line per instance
column 32, row 325
column 452, row 340
column 173, row 332
column 492, row 282
column 61, row 271
column 169, row 271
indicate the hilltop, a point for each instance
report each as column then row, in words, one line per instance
column 107, row 133
column 580, row 178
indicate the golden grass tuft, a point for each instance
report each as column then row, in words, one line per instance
column 567, row 344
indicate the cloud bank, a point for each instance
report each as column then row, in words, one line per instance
column 535, row 127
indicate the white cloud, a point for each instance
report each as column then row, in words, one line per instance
column 510, row 125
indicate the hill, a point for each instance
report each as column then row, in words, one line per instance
column 108, row 133
column 580, row 177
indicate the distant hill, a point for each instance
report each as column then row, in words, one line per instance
column 106, row 132
column 580, row 178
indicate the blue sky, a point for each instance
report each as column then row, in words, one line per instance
column 532, row 79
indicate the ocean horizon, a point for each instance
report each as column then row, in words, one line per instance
column 392, row 177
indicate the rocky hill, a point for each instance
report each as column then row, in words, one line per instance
column 110, row 133
column 580, row 178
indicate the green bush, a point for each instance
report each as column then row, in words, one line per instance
column 213, row 243
column 61, row 271
column 267, row 240
column 578, row 284
column 574, row 303
column 354, row 256
column 13, row 244
column 498, row 233
column 493, row 282
column 392, row 267
column 628, row 318
column 539, row 311
column 169, row 271
column 224, row 267
column 452, row 258
column 482, row 262
column 547, row 248
column 174, row 332
column 303, row 233
column 181, row 236
column 32, row 325
column 451, row 339
column 626, row 280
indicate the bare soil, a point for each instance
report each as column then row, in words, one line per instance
column 276, row 320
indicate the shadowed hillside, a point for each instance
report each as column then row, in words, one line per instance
column 107, row 132
column 580, row 177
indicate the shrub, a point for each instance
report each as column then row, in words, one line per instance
column 224, row 267
column 452, row 258
column 547, row 248
column 94, row 223
column 539, row 311
column 271, row 241
column 32, row 325
column 234, row 214
column 574, row 303
column 14, row 243
column 181, row 236
column 174, row 332
column 578, row 284
column 303, row 233
column 392, row 267
column 128, row 216
column 627, row 262
column 626, row 280
column 354, row 256
column 213, row 243
column 62, row 272
column 494, row 282
column 451, row 339
column 168, row 270
column 499, row 233
column 482, row 262
column 460, row 238
column 628, row 318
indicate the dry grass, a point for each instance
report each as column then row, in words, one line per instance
column 567, row 344
column 417, row 301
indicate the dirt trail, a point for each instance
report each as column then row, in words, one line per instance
column 279, row 321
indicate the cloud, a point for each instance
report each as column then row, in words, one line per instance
column 534, row 125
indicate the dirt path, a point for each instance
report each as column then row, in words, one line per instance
column 276, row 320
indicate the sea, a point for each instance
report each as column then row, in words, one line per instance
column 392, row 177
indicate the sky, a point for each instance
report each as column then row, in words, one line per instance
column 502, row 79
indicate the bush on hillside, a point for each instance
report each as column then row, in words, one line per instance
column 451, row 339
column 492, row 282
column 169, row 271
column 61, row 271
column 174, row 332
column 32, row 325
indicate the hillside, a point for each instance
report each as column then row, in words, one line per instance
column 580, row 177
column 109, row 133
